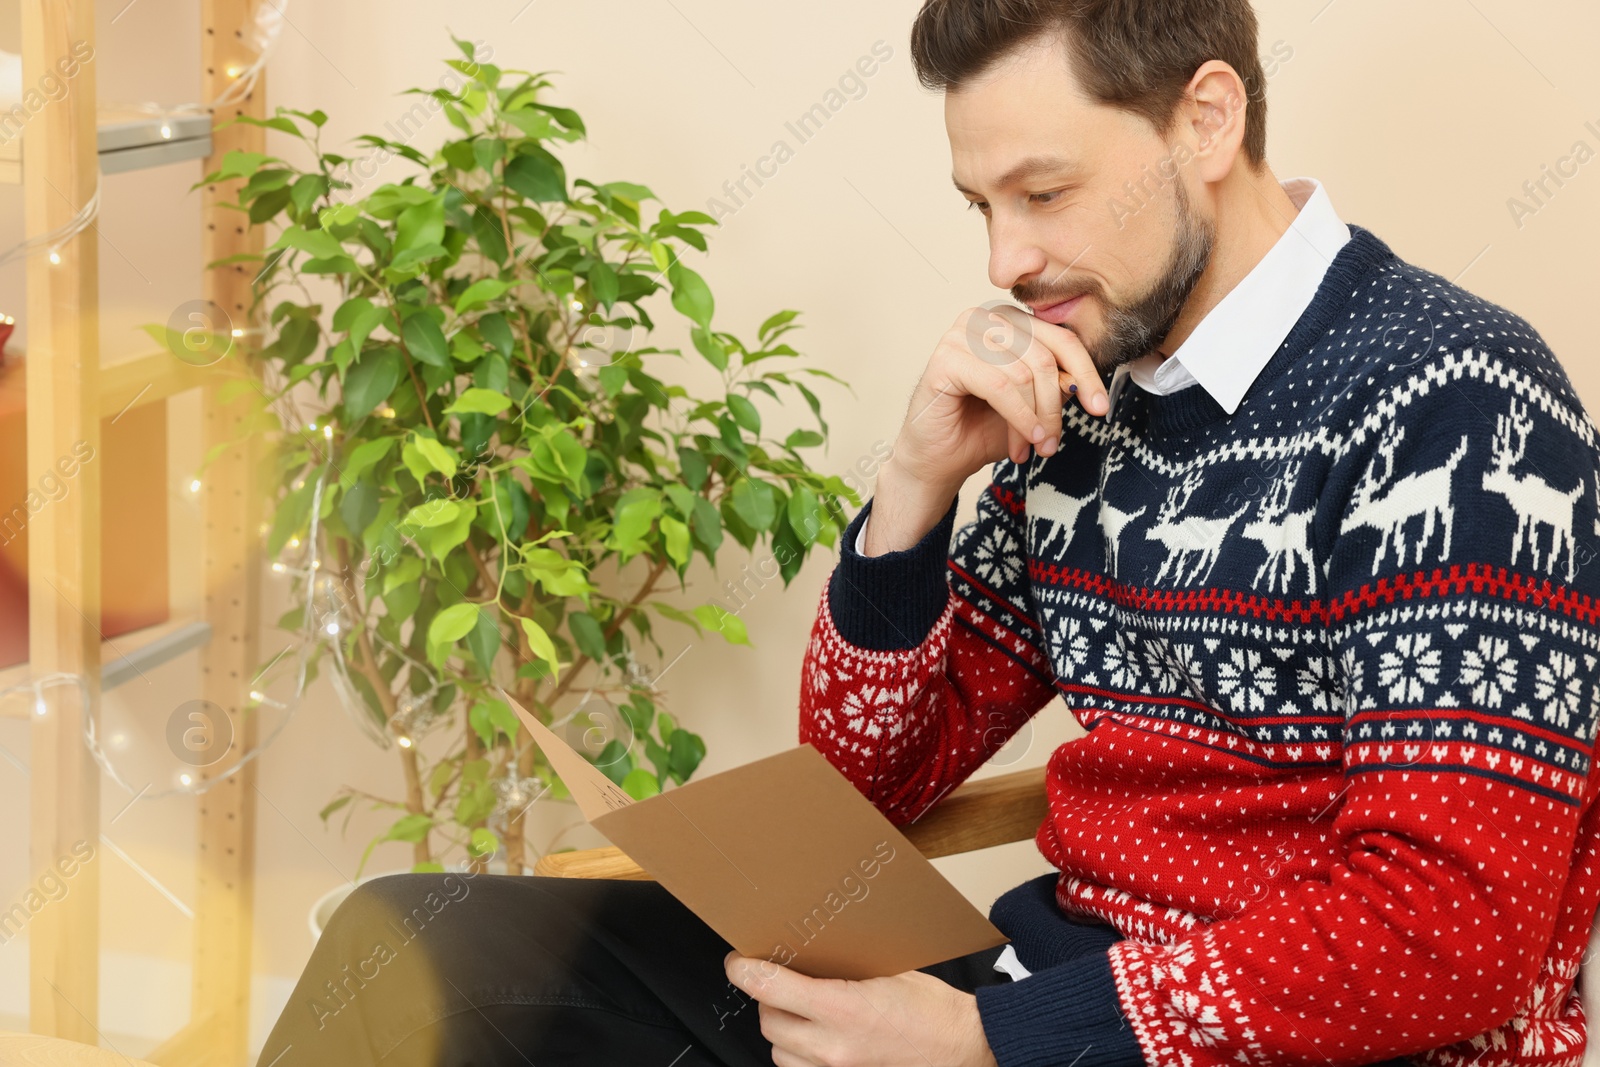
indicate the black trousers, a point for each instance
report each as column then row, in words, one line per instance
column 446, row 970
column 450, row 970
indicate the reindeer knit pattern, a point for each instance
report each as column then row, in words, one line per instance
column 1336, row 657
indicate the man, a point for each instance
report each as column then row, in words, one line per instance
column 1320, row 586
column 1318, row 582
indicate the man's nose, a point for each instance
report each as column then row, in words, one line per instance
column 1015, row 254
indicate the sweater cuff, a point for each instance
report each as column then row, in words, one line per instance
column 1068, row 1014
column 891, row 602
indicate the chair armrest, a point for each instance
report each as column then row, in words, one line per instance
column 27, row 1050
column 980, row 814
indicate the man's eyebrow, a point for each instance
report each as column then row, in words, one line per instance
column 1031, row 167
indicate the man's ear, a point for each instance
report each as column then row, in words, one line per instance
column 1215, row 106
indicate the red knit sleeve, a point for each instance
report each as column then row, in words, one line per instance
column 923, row 663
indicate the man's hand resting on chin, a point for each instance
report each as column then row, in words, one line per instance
column 906, row 1020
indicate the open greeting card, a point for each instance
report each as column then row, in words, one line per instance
column 786, row 860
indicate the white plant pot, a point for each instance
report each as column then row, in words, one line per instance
column 327, row 903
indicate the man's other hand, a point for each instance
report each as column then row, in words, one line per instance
column 905, row 1020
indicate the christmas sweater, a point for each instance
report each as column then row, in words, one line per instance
column 1335, row 656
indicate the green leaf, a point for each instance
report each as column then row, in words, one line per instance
column 483, row 843
column 359, row 506
column 707, row 345
column 238, row 164
column 484, row 640
column 431, row 513
column 805, row 514
column 636, row 509
column 706, row 525
column 587, row 635
column 773, row 322
column 720, row 620
column 540, row 644
column 603, row 280
column 481, row 292
column 479, row 402
column 690, row 294
column 424, row 340
column 440, row 457
column 558, row 575
column 442, row 540
column 694, row 467
column 333, row 806
column 640, row 783
column 744, row 412
column 452, row 624
column 409, row 828
column 319, row 243
column 676, row 534
column 359, row 316
column 496, row 332
column 370, row 382
column 293, row 512
column 687, row 750
column 420, row 225
column 803, row 439
column 755, row 503
column 536, row 175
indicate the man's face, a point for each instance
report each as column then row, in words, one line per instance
column 1075, row 226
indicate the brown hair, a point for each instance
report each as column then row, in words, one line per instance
column 1136, row 55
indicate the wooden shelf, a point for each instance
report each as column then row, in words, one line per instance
column 130, row 139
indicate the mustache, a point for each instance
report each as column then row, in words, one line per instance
column 1045, row 298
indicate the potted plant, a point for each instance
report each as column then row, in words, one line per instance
column 490, row 486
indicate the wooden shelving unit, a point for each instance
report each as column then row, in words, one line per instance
column 67, row 395
column 129, row 139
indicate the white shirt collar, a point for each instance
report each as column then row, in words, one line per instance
column 1228, row 349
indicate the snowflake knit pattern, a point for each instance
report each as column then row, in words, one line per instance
column 1336, row 655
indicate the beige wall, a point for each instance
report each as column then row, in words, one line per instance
column 1422, row 119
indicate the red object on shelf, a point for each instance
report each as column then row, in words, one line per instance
column 132, row 461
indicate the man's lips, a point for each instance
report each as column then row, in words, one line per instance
column 1058, row 312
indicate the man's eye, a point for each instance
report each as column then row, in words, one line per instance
column 978, row 204
column 1040, row 197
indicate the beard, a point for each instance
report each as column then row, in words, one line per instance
column 1135, row 327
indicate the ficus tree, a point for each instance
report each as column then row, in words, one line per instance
column 480, row 482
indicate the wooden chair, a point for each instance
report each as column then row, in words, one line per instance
column 31, row 1050
column 976, row 814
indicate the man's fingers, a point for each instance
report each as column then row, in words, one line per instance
column 1011, row 393
column 1046, row 394
column 771, row 983
column 1077, row 365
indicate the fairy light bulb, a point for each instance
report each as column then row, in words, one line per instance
column 194, row 485
column 166, row 132
column 55, row 258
